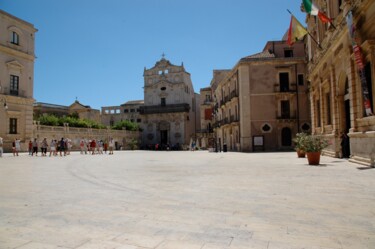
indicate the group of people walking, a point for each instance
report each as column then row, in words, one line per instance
column 62, row 147
column 96, row 146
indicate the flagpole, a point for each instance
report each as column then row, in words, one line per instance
column 307, row 32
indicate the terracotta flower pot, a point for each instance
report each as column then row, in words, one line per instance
column 313, row 158
column 301, row 153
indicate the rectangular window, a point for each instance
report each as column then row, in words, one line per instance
column 12, row 126
column 126, row 110
column 139, row 120
column 300, row 80
column 369, row 84
column 285, row 109
column 328, row 104
column 14, row 39
column 14, row 85
column 284, row 82
column 288, row 53
column 318, row 113
column 132, row 110
column 163, row 103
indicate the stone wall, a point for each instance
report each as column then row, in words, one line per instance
column 121, row 137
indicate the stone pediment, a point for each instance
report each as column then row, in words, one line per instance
column 15, row 65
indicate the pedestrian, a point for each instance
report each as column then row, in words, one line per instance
column 18, row 145
column 52, row 148
column 62, row 146
column 68, row 146
column 105, row 145
column 93, row 146
column 30, row 147
column 44, row 146
column 111, row 144
column 345, row 145
column 100, row 147
column 1, row 147
column 82, row 146
column 14, row 147
column 35, row 147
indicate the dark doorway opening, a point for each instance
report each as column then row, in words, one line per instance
column 164, row 137
column 286, row 137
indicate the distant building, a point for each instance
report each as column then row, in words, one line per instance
column 262, row 102
column 83, row 111
column 171, row 107
column 128, row 111
column 342, row 78
column 16, row 79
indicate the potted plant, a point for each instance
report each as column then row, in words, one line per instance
column 299, row 144
column 313, row 145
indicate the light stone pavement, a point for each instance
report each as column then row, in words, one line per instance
column 178, row 200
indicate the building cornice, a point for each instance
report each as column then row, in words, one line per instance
column 17, row 53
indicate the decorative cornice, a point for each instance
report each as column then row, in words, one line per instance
column 16, row 53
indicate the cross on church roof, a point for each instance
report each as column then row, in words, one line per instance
column 163, row 55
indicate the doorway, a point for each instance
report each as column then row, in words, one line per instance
column 164, row 137
column 286, row 137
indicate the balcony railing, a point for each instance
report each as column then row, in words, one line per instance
column 233, row 94
column 285, row 89
column 164, row 109
column 286, row 116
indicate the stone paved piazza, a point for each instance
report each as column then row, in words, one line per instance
column 192, row 200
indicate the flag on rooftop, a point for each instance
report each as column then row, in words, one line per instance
column 312, row 9
column 296, row 31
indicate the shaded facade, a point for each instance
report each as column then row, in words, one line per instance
column 16, row 79
column 338, row 90
column 262, row 102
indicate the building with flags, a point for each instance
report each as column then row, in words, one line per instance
column 341, row 74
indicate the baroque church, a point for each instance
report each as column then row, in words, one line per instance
column 169, row 112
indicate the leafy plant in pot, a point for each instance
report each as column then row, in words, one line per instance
column 313, row 146
column 299, row 144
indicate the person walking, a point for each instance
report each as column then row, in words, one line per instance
column 62, row 146
column 82, row 146
column 111, row 144
column 35, row 148
column 44, row 146
column 30, row 147
column 18, row 145
column 52, row 148
column 1, row 147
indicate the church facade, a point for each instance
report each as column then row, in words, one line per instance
column 170, row 107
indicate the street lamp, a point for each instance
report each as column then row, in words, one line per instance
column 3, row 100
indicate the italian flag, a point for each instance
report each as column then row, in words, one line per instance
column 296, row 31
column 313, row 10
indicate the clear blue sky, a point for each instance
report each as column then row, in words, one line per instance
column 96, row 50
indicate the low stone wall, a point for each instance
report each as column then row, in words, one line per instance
column 121, row 137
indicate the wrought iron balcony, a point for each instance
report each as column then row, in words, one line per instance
column 153, row 109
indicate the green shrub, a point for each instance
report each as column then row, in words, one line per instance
column 125, row 124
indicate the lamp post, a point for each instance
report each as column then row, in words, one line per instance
column 3, row 100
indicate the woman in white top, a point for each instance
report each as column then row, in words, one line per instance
column 17, row 144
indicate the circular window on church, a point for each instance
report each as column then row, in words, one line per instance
column 266, row 128
column 305, row 127
column 163, row 88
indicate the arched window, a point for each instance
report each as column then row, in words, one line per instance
column 14, row 38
